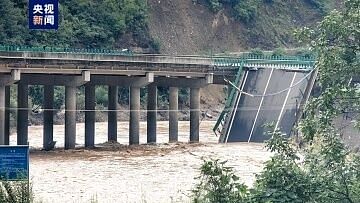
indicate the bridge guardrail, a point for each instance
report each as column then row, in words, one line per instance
column 126, row 52
column 64, row 50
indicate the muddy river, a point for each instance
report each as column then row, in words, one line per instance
column 145, row 173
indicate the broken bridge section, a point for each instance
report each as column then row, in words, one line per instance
column 266, row 94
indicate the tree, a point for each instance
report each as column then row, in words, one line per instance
column 325, row 170
column 336, row 42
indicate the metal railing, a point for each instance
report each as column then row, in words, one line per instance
column 218, row 128
column 10, row 48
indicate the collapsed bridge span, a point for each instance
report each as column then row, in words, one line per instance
column 264, row 93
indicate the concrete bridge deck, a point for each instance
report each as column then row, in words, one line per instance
column 73, row 69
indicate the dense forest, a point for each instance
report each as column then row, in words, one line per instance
column 115, row 23
column 83, row 24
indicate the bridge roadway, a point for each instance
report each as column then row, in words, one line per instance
column 136, row 71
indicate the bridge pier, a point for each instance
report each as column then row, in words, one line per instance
column 90, row 115
column 194, row 114
column 173, row 114
column 7, row 115
column 151, row 114
column 70, row 117
column 112, row 113
column 22, row 114
column 134, row 127
column 48, row 134
column 2, row 115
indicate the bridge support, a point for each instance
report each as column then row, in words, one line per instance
column 70, row 117
column 5, row 82
column 22, row 114
column 173, row 114
column 134, row 131
column 7, row 115
column 152, row 114
column 48, row 134
column 89, row 116
column 194, row 114
column 2, row 115
column 112, row 113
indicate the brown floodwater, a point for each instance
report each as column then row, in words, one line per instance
column 145, row 173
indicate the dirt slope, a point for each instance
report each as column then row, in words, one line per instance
column 185, row 27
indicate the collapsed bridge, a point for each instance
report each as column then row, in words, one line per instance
column 254, row 74
column 264, row 93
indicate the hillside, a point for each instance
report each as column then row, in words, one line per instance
column 188, row 26
column 191, row 27
column 165, row 26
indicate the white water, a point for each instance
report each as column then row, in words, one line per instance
column 163, row 173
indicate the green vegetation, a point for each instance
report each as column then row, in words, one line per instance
column 321, row 168
column 328, row 172
column 218, row 183
column 247, row 10
column 15, row 192
column 243, row 10
column 83, row 24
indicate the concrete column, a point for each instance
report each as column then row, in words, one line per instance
column 173, row 114
column 90, row 115
column 48, row 134
column 112, row 114
column 7, row 115
column 151, row 114
column 134, row 128
column 2, row 114
column 22, row 115
column 194, row 114
column 70, row 117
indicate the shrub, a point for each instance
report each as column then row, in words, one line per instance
column 101, row 95
column 15, row 192
column 279, row 52
column 246, row 10
column 214, row 5
column 256, row 52
column 328, row 173
column 218, row 183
